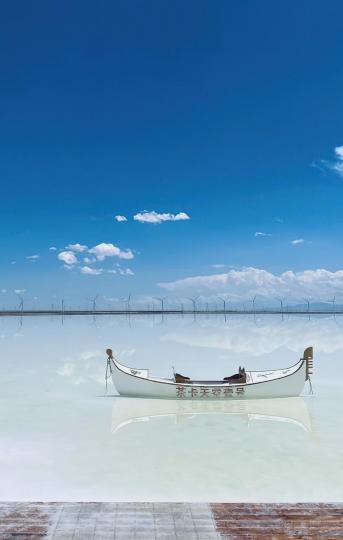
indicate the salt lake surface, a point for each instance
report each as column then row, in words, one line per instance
column 61, row 438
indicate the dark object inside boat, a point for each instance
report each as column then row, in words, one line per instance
column 181, row 379
column 239, row 377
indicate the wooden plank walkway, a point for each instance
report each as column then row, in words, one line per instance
column 167, row 521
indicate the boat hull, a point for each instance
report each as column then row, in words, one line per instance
column 288, row 385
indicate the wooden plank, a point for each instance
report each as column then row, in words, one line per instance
column 304, row 520
column 61, row 521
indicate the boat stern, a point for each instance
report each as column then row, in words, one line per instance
column 308, row 357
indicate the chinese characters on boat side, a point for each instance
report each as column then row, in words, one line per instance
column 183, row 392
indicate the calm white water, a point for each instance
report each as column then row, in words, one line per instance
column 61, row 439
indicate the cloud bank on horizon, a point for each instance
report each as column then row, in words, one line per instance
column 317, row 284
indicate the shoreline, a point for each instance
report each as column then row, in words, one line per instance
column 74, row 312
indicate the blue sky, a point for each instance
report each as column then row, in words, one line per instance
column 227, row 111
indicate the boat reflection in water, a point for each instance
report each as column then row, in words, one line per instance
column 292, row 410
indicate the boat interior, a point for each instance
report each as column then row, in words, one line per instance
column 237, row 378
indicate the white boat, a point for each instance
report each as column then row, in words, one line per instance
column 288, row 382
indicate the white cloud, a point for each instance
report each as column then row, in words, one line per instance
column 244, row 284
column 218, row 265
column 67, row 257
column 297, row 241
column 126, row 272
column 53, row 248
column 13, row 262
column 120, row 218
column 89, row 260
column 79, row 248
column 337, row 166
column 155, row 217
column 259, row 233
column 33, row 257
column 101, row 251
column 91, row 271
column 3, row 290
column 19, row 291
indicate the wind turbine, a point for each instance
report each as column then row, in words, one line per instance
column 334, row 304
column 161, row 299
column 21, row 303
column 307, row 300
column 281, row 300
column 128, row 301
column 333, row 301
column 194, row 300
column 93, row 300
column 253, row 300
column 224, row 300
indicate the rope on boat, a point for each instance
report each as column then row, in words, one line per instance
column 311, row 388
